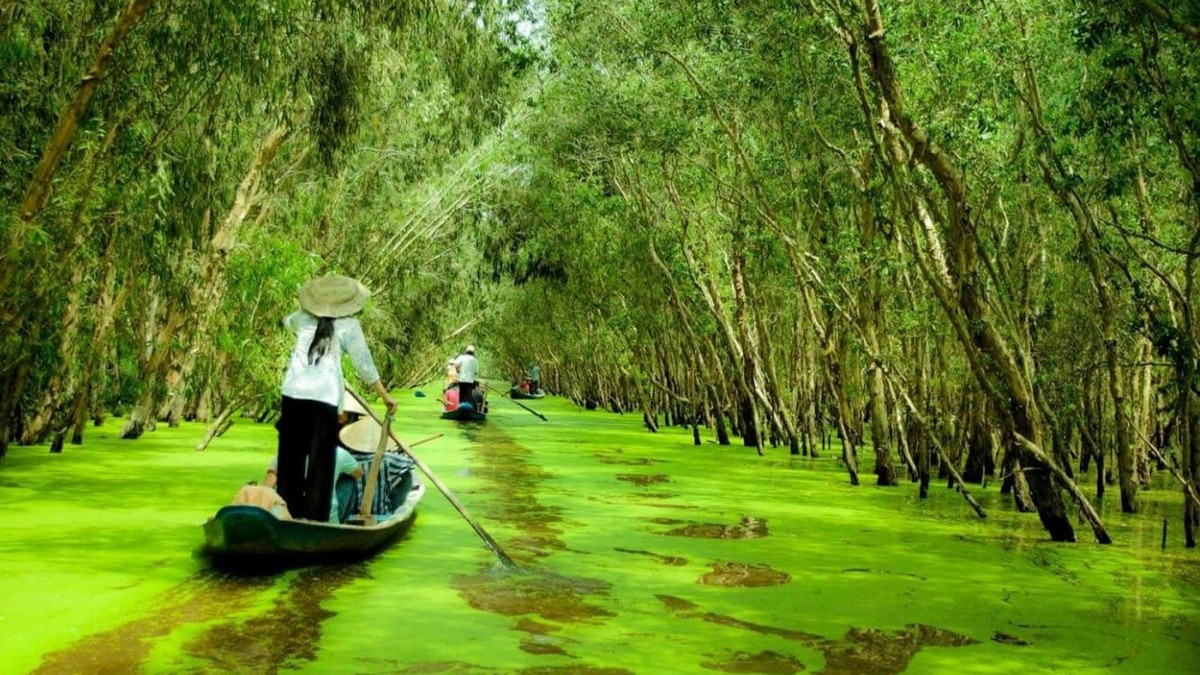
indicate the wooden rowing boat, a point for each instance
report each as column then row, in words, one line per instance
column 250, row 536
column 464, row 413
column 516, row 392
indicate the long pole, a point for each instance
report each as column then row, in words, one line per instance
column 512, row 400
column 364, row 513
column 462, row 510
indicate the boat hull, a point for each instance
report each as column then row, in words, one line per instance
column 464, row 414
column 242, row 535
column 518, row 394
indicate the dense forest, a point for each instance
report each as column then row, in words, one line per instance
column 953, row 241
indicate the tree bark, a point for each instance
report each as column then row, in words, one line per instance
column 990, row 357
column 204, row 296
column 39, row 187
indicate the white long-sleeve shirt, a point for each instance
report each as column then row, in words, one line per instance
column 324, row 381
column 468, row 368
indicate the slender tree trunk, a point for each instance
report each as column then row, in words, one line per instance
column 988, row 353
column 205, row 295
column 39, row 187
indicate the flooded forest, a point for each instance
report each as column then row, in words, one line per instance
column 846, row 311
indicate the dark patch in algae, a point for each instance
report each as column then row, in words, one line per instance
column 748, row 528
column 763, row 662
column 643, row 480
column 606, row 458
column 861, row 650
column 743, row 574
column 864, row 570
column 284, row 637
column 551, row 597
column 203, row 597
column 1006, row 639
column 535, row 628
column 539, row 644
column 673, row 560
column 504, row 465
column 462, row 667
column 574, row 670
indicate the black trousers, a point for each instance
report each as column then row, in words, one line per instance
column 308, row 438
column 464, row 392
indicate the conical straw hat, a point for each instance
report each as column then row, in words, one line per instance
column 362, row 436
column 352, row 406
column 333, row 296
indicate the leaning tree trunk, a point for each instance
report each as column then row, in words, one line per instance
column 39, row 187
column 205, row 295
column 988, row 353
column 1059, row 178
column 885, row 469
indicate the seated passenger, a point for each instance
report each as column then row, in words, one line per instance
column 451, row 399
column 395, row 478
column 264, row 497
column 344, row 465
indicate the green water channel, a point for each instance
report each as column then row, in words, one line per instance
column 639, row 553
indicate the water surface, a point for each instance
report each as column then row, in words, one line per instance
column 638, row 553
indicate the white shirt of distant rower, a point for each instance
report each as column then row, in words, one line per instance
column 468, row 368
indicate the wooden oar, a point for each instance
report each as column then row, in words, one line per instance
column 364, row 513
column 462, row 510
column 511, row 399
column 425, row 440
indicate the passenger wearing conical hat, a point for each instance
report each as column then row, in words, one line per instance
column 393, row 481
column 314, row 390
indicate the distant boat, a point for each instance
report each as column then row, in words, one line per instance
column 250, row 536
column 465, row 412
column 516, row 392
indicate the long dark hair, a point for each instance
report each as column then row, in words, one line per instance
column 321, row 340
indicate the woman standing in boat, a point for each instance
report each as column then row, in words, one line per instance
column 313, row 389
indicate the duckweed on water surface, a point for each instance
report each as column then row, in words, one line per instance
column 774, row 566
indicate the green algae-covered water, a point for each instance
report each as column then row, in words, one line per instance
column 638, row 553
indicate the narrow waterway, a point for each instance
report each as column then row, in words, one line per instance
column 637, row 553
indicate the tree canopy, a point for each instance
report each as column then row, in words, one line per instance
column 958, row 238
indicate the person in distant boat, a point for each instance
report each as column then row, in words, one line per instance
column 313, row 391
column 479, row 400
column 450, row 397
column 468, row 371
column 535, row 376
